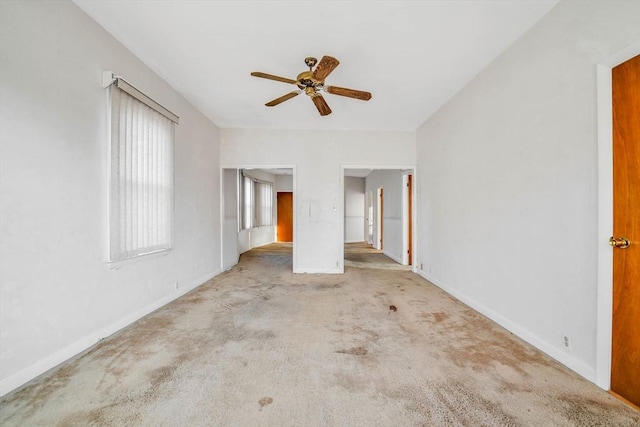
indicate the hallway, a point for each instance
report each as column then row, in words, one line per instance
column 363, row 255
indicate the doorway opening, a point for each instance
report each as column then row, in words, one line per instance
column 369, row 218
column 378, row 216
column 250, row 213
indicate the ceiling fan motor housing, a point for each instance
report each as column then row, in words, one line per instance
column 305, row 80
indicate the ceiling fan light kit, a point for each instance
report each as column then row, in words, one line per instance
column 312, row 83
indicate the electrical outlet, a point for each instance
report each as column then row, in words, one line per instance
column 566, row 342
column 177, row 285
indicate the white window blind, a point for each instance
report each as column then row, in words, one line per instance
column 141, row 178
column 264, row 204
column 256, row 202
column 247, row 198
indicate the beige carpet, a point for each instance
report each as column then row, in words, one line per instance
column 258, row 346
column 362, row 255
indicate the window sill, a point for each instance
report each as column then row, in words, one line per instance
column 117, row 265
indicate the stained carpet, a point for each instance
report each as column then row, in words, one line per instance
column 259, row 346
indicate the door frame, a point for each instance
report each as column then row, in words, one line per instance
column 256, row 166
column 369, row 215
column 406, row 169
column 604, row 309
column 407, row 218
column 380, row 218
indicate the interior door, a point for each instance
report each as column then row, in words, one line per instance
column 625, row 353
column 284, row 232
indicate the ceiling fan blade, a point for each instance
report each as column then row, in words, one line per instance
column 282, row 98
column 325, row 67
column 349, row 93
column 321, row 105
column 272, row 77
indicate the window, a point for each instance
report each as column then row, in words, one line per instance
column 264, row 204
column 247, row 200
column 256, row 203
column 141, row 174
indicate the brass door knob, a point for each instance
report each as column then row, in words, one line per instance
column 620, row 242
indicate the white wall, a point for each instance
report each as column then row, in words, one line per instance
column 318, row 157
column 284, row 183
column 392, row 231
column 57, row 293
column 258, row 236
column 230, row 251
column 507, row 188
column 353, row 209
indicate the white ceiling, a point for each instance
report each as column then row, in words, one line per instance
column 411, row 55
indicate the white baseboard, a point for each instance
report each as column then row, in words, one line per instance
column 393, row 257
column 30, row 372
column 572, row 363
column 318, row 271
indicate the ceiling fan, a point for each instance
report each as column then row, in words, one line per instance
column 312, row 83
